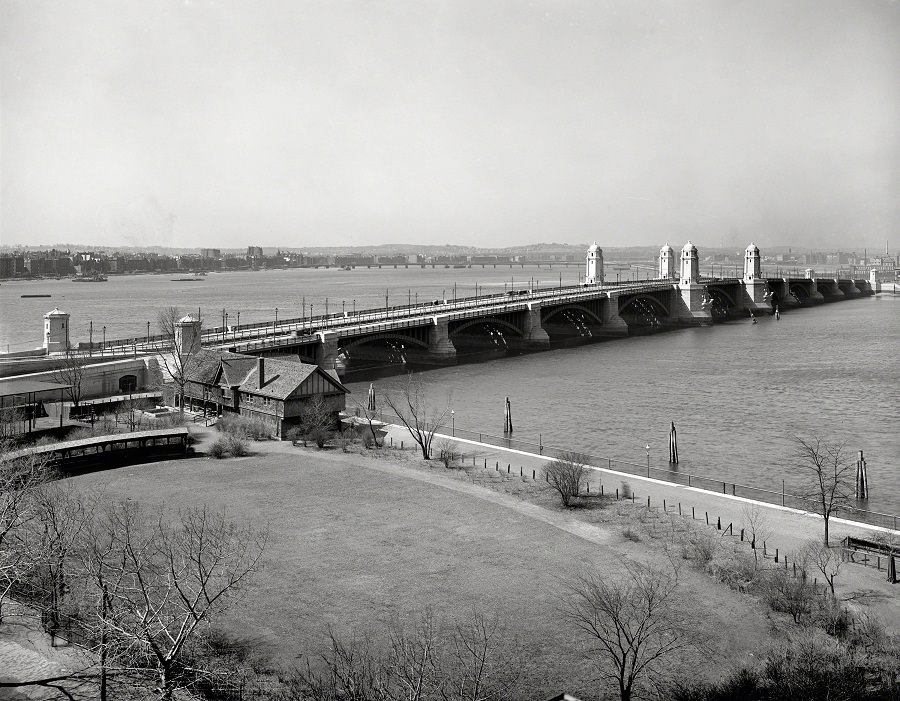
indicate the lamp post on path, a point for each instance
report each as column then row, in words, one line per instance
column 453, row 422
column 647, row 448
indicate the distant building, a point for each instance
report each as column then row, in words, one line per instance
column 212, row 253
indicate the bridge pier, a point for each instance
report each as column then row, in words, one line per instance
column 328, row 353
column 692, row 305
column 534, row 336
column 754, row 297
column 441, row 350
column 613, row 325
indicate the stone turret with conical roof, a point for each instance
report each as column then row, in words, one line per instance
column 690, row 264
column 666, row 263
column 187, row 335
column 751, row 263
column 594, row 270
column 56, row 331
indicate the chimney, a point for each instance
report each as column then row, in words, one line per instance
column 261, row 371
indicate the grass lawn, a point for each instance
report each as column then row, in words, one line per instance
column 355, row 540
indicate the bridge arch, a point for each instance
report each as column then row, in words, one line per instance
column 554, row 311
column 634, row 299
column 799, row 291
column 487, row 321
column 351, row 343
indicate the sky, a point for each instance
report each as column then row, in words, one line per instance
column 474, row 122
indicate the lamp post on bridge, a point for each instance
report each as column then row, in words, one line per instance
column 148, row 333
column 647, row 448
column 276, row 315
column 453, row 422
column 103, row 349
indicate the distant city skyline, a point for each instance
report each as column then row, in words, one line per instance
column 496, row 124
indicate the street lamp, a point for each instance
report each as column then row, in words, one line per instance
column 453, row 421
column 647, row 448
column 104, row 338
column 276, row 315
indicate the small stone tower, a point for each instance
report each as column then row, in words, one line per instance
column 56, row 331
column 187, row 335
column 751, row 263
column 690, row 264
column 666, row 263
column 594, row 272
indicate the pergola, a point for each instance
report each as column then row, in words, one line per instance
column 18, row 394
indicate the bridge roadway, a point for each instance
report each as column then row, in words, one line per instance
column 429, row 332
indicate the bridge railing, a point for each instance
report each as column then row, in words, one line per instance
column 710, row 484
column 247, row 333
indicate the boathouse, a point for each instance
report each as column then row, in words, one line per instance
column 275, row 391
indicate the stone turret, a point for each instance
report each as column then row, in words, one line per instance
column 690, row 264
column 666, row 263
column 187, row 335
column 56, row 331
column 751, row 263
column 594, row 271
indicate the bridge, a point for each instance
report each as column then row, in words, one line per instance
column 522, row 320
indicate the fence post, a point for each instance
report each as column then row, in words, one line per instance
column 533, row 474
column 742, row 535
column 782, row 492
column 707, row 517
column 485, row 463
column 679, row 508
column 693, row 515
column 664, row 506
column 776, row 555
column 507, row 468
column 719, row 523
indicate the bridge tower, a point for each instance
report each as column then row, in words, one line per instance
column 666, row 263
column 694, row 307
column 594, row 272
column 56, row 331
column 756, row 288
column 187, row 335
column 690, row 264
column 751, row 263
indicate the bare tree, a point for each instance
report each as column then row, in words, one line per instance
column 482, row 662
column 21, row 479
column 824, row 559
column 757, row 526
column 159, row 583
column 565, row 475
column 317, row 420
column 632, row 622
column 828, row 475
column 368, row 416
column 421, row 417
column 181, row 362
column 61, row 516
column 412, row 660
column 70, row 371
column 447, row 452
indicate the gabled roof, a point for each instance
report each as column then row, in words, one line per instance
column 282, row 377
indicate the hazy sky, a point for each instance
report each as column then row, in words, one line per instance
column 476, row 122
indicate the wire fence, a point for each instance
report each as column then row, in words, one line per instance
column 709, row 484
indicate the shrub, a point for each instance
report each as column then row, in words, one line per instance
column 737, row 570
column 293, row 434
column 626, row 490
column 319, row 436
column 369, row 441
column 565, row 475
column 701, row 548
column 630, row 534
column 243, row 426
column 447, row 453
column 237, row 446
column 218, row 448
column 788, row 594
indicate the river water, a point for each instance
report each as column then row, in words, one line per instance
column 737, row 392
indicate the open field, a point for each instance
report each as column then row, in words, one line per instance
column 356, row 540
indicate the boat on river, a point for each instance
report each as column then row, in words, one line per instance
column 90, row 278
